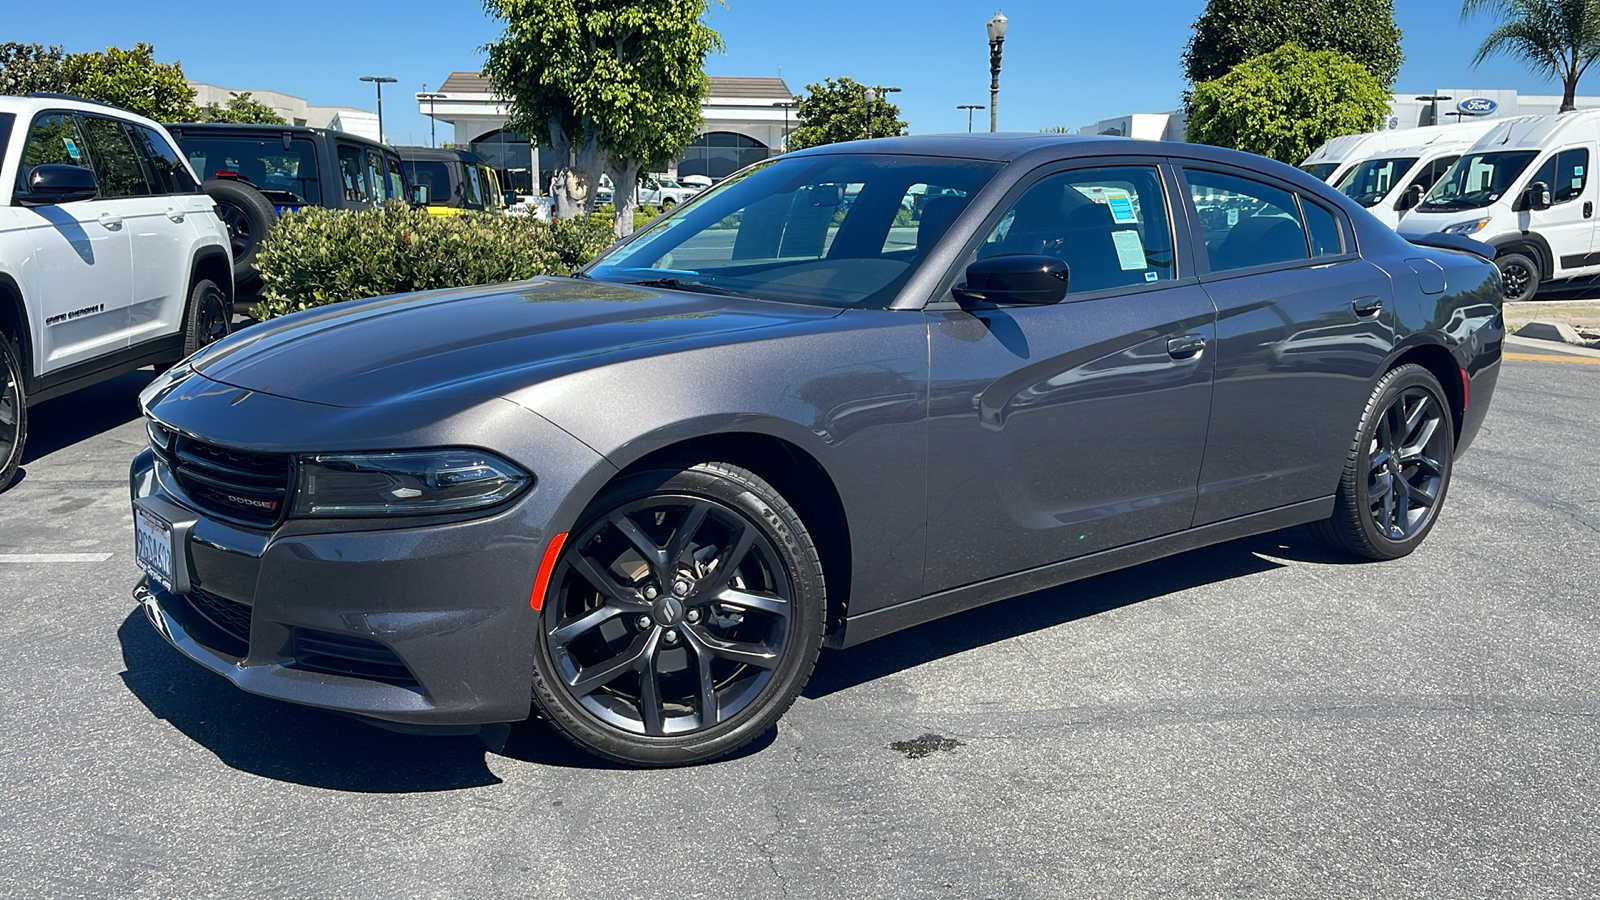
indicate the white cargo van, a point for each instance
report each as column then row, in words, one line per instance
column 1402, row 168
column 1523, row 188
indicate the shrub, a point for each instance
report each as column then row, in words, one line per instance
column 606, row 214
column 319, row 256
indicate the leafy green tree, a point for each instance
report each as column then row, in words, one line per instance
column 27, row 68
column 133, row 80
column 1558, row 39
column 837, row 111
column 1229, row 32
column 241, row 109
column 615, row 85
column 1286, row 103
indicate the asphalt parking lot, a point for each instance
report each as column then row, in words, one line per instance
column 1259, row 719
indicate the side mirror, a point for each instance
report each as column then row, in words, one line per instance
column 1014, row 279
column 419, row 195
column 508, row 198
column 1537, row 196
column 51, row 183
column 1411, row 197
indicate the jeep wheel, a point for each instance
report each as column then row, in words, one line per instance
column 248, row 217
column 13, row 412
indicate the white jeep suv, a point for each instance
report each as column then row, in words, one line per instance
column 111, row 257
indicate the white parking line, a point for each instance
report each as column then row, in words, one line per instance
column 53, row 557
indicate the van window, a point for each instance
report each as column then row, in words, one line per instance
column 1431, row 173
column 1566, row 173
column 1477, row 180
column 1320, row 171
column 1372, row 180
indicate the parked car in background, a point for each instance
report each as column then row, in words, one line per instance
column 1524, row 189
column 695, row 181
column 451, row 182
column 644, row 497
column 659, row 190
column 255, row 173
column 1332, row 161
column 111, row 258
column 1404, row 168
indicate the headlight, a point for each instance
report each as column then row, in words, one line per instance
column 409, row 483
column 1473, row 227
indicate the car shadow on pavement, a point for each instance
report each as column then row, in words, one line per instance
column 287, row 742
column 80, row 415
column 843, row 669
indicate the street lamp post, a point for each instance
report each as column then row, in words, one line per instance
column 431, row 120
column 872, row 97
column 787, row 105
column 997, row 38
column 969, row 107
column 380, row 81
column 1434, row 98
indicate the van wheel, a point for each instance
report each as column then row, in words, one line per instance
column 1519, row 276
column 210, row 316
column 13, row 412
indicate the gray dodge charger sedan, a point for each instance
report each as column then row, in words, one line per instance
column 849, row 390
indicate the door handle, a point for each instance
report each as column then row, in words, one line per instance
column 111, row 220
column 175, row 215
column 1588, row 208
column 1366, row 307
column 1186, row 347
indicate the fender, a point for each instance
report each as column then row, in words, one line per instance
column 12, row 309
column 1527, row 241
column 207, row 252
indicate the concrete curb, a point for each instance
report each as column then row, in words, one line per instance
column 1537, row 346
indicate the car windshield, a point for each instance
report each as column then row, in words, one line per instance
column 1372, row 180
column 263, row 162
column 1320, row 171
column 832, row 230
column 1477, row 180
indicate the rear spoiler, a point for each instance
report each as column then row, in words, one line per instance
column 1441, row 241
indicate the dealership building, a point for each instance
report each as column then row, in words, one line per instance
column 742, row 120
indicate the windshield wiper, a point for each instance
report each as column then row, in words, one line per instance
column 695, row 287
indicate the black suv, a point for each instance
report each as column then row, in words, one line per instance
column 255, row 173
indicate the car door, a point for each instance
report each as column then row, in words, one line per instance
column 1057, row 431
column 1569, row 223
column 81, row 255
column 159, row 234
column 1303, row 326
column 161, row 274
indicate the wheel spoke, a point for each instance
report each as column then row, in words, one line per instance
column 1413, row 419
column 706, row 693
column 759, row 655
column 642, row 543
column 602, row 579
column 1419, row 495
column 568, row 629
column 591, row 678
column 693, row 518
column 1410, row 451
column 776, row 606
column 1380, row 463
column 728, row 562
column 650, row 712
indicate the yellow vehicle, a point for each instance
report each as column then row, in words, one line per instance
column 452, row 182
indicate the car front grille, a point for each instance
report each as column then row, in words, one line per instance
column 230, row 618
column 343, row 654
column 240, row 486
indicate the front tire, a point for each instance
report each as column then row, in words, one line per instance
column 13, row 412
column 683, row 618
column 1398, row 469
column 208, row 317
column 1519, row 275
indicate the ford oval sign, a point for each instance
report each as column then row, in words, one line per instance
column 1477, row 106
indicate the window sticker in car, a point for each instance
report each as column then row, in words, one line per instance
column 1121, row 204
column 1130, row 251
column 72, row 148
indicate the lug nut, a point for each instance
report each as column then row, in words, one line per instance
column 644, row 623
column 671, row 637
column 680, row 588
column 650, row 593
column 692, row 616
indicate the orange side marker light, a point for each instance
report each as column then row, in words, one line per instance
column 546, row 567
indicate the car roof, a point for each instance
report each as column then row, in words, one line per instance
column 237, row 128
column 418, row 152
column 25, row 107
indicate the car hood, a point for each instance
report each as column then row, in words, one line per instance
column 478, row 342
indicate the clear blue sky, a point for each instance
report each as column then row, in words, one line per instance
column 1065, row 63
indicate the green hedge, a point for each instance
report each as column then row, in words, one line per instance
column 319, row 256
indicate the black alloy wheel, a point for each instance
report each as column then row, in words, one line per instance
column 682, row 619
column 13, row 412
column 209, row 316
column 1398, row 470
column 1519, row 276
column 241, row 237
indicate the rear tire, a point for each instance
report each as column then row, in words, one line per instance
column 209, row 317
column 248, row 217
column 683, row 618
column 13, row 412
column 1520, row 275
column 1398, row 469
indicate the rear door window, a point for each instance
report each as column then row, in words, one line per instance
column 1565, row 173
column 1246, row 223
column 353, row 175
column 167, row 170
column 1323, row 227
column 117, row 165
column 433, row 175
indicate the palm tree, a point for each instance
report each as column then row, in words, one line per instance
column 1555, row 38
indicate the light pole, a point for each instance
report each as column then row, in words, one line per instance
column 1435, row 98
column 787, row 105
column 431, row 121
column 872, row 97
column 380, row 81
column 969, row 107
column 997, row 38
